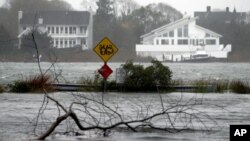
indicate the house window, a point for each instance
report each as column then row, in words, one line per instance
column 171, row 33
column 57, row 30
column 66, row 43
column 180, row 32
column 172, row 41
column 83, row 42
column 164, row 41
column 210, row 41
column 70, row 43
column 157, row 42
column 182, row 42
column 61, row 43
column 61, row 31
column 56, row 42
column 207, row 35
column 186, row 31
column 82, row 29
column 74, row 30
column 70, row 30
column 66, row 30
column 165, row 35
column 52, row 30
column 48, row 29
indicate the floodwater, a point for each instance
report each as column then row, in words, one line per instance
column 72, row 72
column 18, row 112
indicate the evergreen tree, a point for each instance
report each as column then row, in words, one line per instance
column 6, row 44
column 104, row 20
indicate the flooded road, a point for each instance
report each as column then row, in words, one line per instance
column 18, row 113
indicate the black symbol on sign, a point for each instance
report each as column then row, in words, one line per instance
column 106, row 49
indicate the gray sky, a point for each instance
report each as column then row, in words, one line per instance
column 188, row 6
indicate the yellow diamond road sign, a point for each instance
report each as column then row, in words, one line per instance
column 105, row 49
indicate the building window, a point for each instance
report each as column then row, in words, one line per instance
column 52, row 30
column 183, row 42
column 74, row 30
column 66, row 43
column 186, row 31
column 172, row 41
column 66, row 30
column 171, row 33
column 157, row 42
column 180, row 32
column 70, row 30
column 164, row 41
column 210, row 41
column 61, row 31
column 207, row 35
column 82, row 29
column 48, row 29
column 56, row 42
column 165, row 35
column 57, row 30
column 70, row 43
column 61, row 43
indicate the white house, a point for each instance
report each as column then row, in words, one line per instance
column 67, row 28
column 181, row 40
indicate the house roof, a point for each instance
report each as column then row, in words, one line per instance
column 221, row 16
column 176, row 24
column 57, row 18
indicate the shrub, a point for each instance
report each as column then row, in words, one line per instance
column 239, row 87
column 20, row 87
column 1, row 89
column 37, row 83
column 139, row 78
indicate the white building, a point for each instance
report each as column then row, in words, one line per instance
column 181, row 40
column 67, row 28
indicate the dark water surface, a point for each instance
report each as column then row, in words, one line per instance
column 18, row 111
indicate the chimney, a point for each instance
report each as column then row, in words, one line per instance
column 227, row 9
column 208, row 8
column 20, row 15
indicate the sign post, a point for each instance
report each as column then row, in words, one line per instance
column 105, row 49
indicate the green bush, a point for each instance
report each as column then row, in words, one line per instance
column 139, row 78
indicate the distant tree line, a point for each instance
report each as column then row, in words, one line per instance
column 234, row 33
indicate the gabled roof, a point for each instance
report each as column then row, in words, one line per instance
column 57, row 18
column 176, row 24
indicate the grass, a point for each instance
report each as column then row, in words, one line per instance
column 2, row 89
column 35, row 84
column 240, row 87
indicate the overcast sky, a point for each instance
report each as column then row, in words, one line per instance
column 188, row 6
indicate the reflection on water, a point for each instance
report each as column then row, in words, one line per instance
column 19, row 110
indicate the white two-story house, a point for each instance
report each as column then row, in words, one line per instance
column 181, row 40
column 67, row 29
